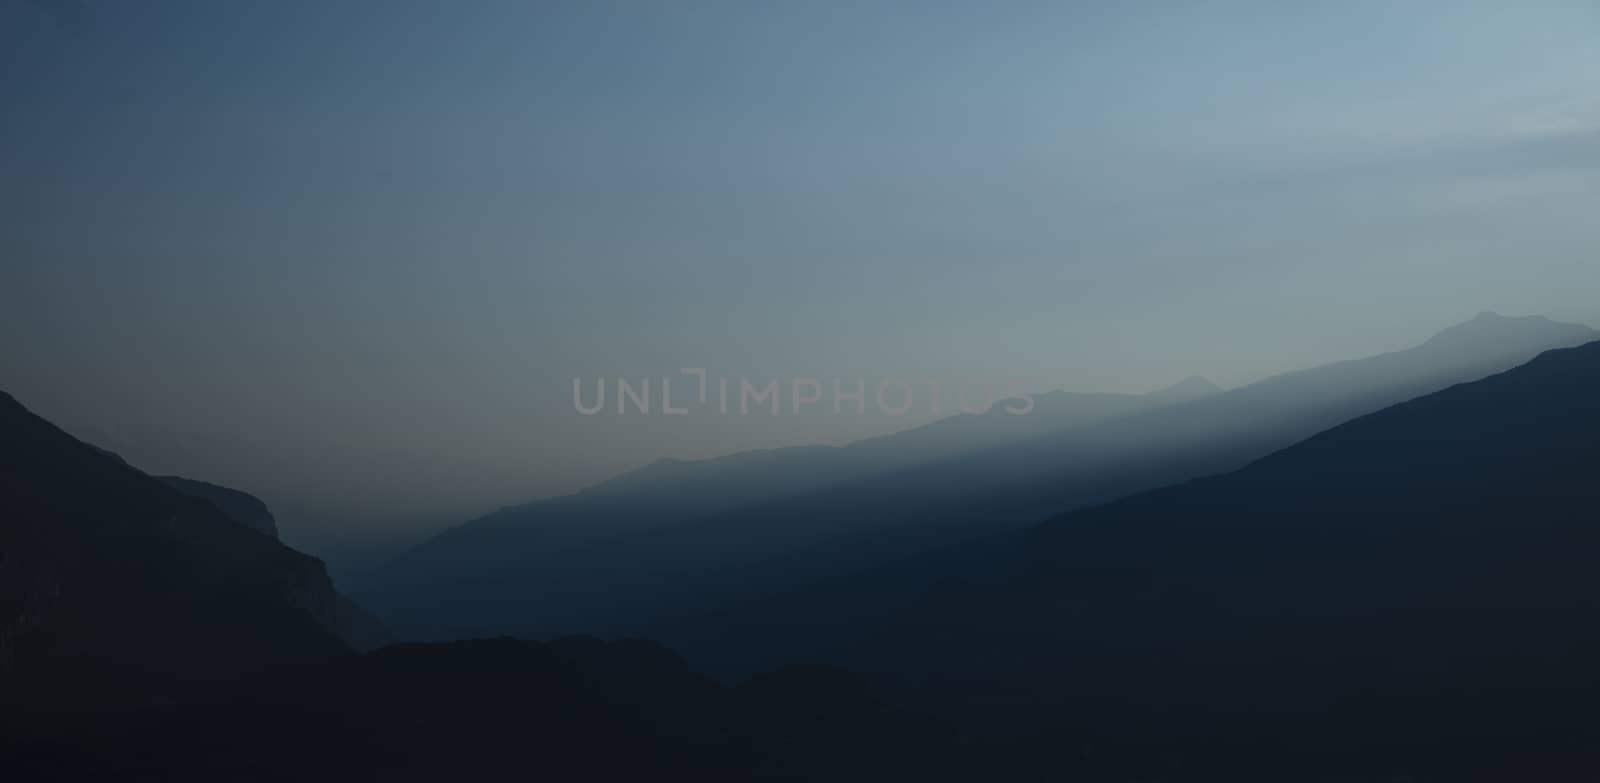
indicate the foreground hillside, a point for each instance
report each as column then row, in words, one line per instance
column 1416, row 587
column 577, row 709
column 117, row 588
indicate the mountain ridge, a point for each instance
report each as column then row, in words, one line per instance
column 1438, row 534
column 242, row 507
column 711, row 559
column 102, row 557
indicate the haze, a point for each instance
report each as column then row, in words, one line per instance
column 351, row 255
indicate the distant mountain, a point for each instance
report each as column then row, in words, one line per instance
column 750, row 476
column 241, row 507
column 647, row 552
column 1026, row 482
column 670, row 492
column 1419, row 578
column 117, row 588
column 1187, row 390
column 1223, row 432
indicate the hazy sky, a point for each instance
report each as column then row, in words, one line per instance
column 350, row 255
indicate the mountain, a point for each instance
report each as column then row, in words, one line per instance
column 146, row 634
column 667, row 494
column 355, row 625
column 1407, row 596
column 576, row 709
column 650, row 553
column 241, row 507
column 1187, row 390
column 1223, row 432
column 117, row 588
column 1419, row 578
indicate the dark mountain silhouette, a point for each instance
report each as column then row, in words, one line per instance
column 1027, row 482
column 647, row 552
column 1406, row 596
column 574, row 709
column 241, row 507
column 117, row 588
column 1418, row 579
column 355, row 625
column 148, row 635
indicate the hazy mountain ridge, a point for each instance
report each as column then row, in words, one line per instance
column 690, row 550
column 1187, row 390
column 806, row 468
column 1401, row 596
column 1420, row 573
column 1031, row 481
column 670, row 492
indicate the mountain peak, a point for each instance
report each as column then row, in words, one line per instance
column 1193, row 387
column 1490, row 329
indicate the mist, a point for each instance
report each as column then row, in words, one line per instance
column 352, row 256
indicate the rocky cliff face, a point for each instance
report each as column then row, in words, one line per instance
column 241, row 507
column 116, row 587
column 313, row 591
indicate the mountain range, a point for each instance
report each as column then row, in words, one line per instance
column 1390, row 586
column 1405, row 595
column 648, row 551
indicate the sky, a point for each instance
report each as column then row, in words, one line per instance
column 351, row 255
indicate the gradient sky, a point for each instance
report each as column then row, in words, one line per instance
column 349, row 255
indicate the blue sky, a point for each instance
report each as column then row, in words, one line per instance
column 349, row 255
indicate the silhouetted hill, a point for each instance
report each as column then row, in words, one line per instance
column 355, row 625
column 148, row 635
column 115, row 587
column 241, row 507
column 1416, row 580
column 501, row 709
column 655, row 557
